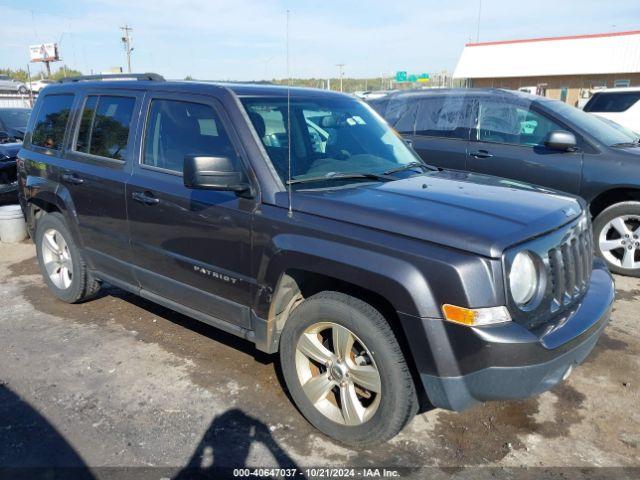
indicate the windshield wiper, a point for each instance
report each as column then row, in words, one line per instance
column 342, row 176
column 635, row 143
column 409, row 166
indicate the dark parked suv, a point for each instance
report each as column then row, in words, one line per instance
column 535, row 140
column 304, row 224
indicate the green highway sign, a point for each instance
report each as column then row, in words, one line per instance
column 401, row 77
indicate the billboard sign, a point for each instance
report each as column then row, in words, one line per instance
column 44, row 52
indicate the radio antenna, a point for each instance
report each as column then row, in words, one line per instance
column 289, row 123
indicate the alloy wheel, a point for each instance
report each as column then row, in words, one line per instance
column 57, row 259
column 338, row 374
column 619, row 241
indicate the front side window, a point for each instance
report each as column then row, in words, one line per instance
column 505, row 122
column 328, row 136
column 104, row 126
column 176, row 129
column 49, row 127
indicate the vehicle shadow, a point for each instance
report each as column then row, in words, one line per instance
column 237, row 343
column 227, row 445
column 30, row 447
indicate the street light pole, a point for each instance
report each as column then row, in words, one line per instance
column 126, row 41
column 341, row 72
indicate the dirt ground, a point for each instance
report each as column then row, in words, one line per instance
column 122, row 382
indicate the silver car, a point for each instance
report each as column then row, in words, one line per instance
column 8, row 84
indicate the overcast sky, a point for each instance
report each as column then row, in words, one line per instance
column 245, row 39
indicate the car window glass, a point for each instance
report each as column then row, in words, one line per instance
column 445, row 116
column 176, row 129
column 401, row 113
column 86, row 123
column 612, row 102
column 328, row 136
column 14, row 117
column 50, row 125
column 104, row 126
column 505, row 122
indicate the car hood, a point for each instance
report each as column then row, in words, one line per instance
column 471, row 212
column 9, row 150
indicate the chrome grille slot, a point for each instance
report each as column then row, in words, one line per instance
column 570, row 265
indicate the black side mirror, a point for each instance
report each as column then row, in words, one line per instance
column 561, row 140
column 215, row 173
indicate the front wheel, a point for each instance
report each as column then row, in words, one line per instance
column 345, row 370
column 616, row 233
column 22, row 90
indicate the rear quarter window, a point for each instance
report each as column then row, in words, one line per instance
column 51, row 122
column 612, row 102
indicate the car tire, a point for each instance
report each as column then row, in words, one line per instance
column 61, row 261
column 616, row 234
column 345, row 412
column 22, row 90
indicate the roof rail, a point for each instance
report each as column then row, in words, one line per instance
column 115, row 76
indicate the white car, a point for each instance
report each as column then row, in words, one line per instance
column 622, row 105
column 9, row 85
column 38, row 85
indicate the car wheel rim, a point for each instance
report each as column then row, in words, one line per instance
column 619, row 242
column 338, row 374
column 57, row 259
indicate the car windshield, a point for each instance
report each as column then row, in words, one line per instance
column 603, row 131
column 330, row 137
column 16, row 118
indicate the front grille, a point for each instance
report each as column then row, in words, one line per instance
column 569, row 266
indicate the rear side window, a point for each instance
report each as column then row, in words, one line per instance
column 104, row 126
column 449, row 116
column 51, row 123
column 612, row 102
column 176, row 129
column 401, row 113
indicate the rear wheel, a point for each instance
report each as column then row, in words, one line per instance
column 617, row 237
column 345, row 370
column 61, row 262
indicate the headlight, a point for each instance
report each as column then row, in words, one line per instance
column 523, row 278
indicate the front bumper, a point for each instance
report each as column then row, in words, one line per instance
column 466, row 366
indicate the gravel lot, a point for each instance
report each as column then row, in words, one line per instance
column 119, row 381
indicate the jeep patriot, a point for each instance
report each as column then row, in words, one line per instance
column 300, row 221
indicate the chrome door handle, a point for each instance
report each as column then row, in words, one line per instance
column 72, row 178
column 145, row 198
column 480, row 154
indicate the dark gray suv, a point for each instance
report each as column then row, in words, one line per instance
column 535, row 140
column 383, row 284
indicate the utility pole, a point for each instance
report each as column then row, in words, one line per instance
column 126, row 41
column 341, row 71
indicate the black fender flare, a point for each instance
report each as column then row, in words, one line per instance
column 39, row 191
column 394, row 279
